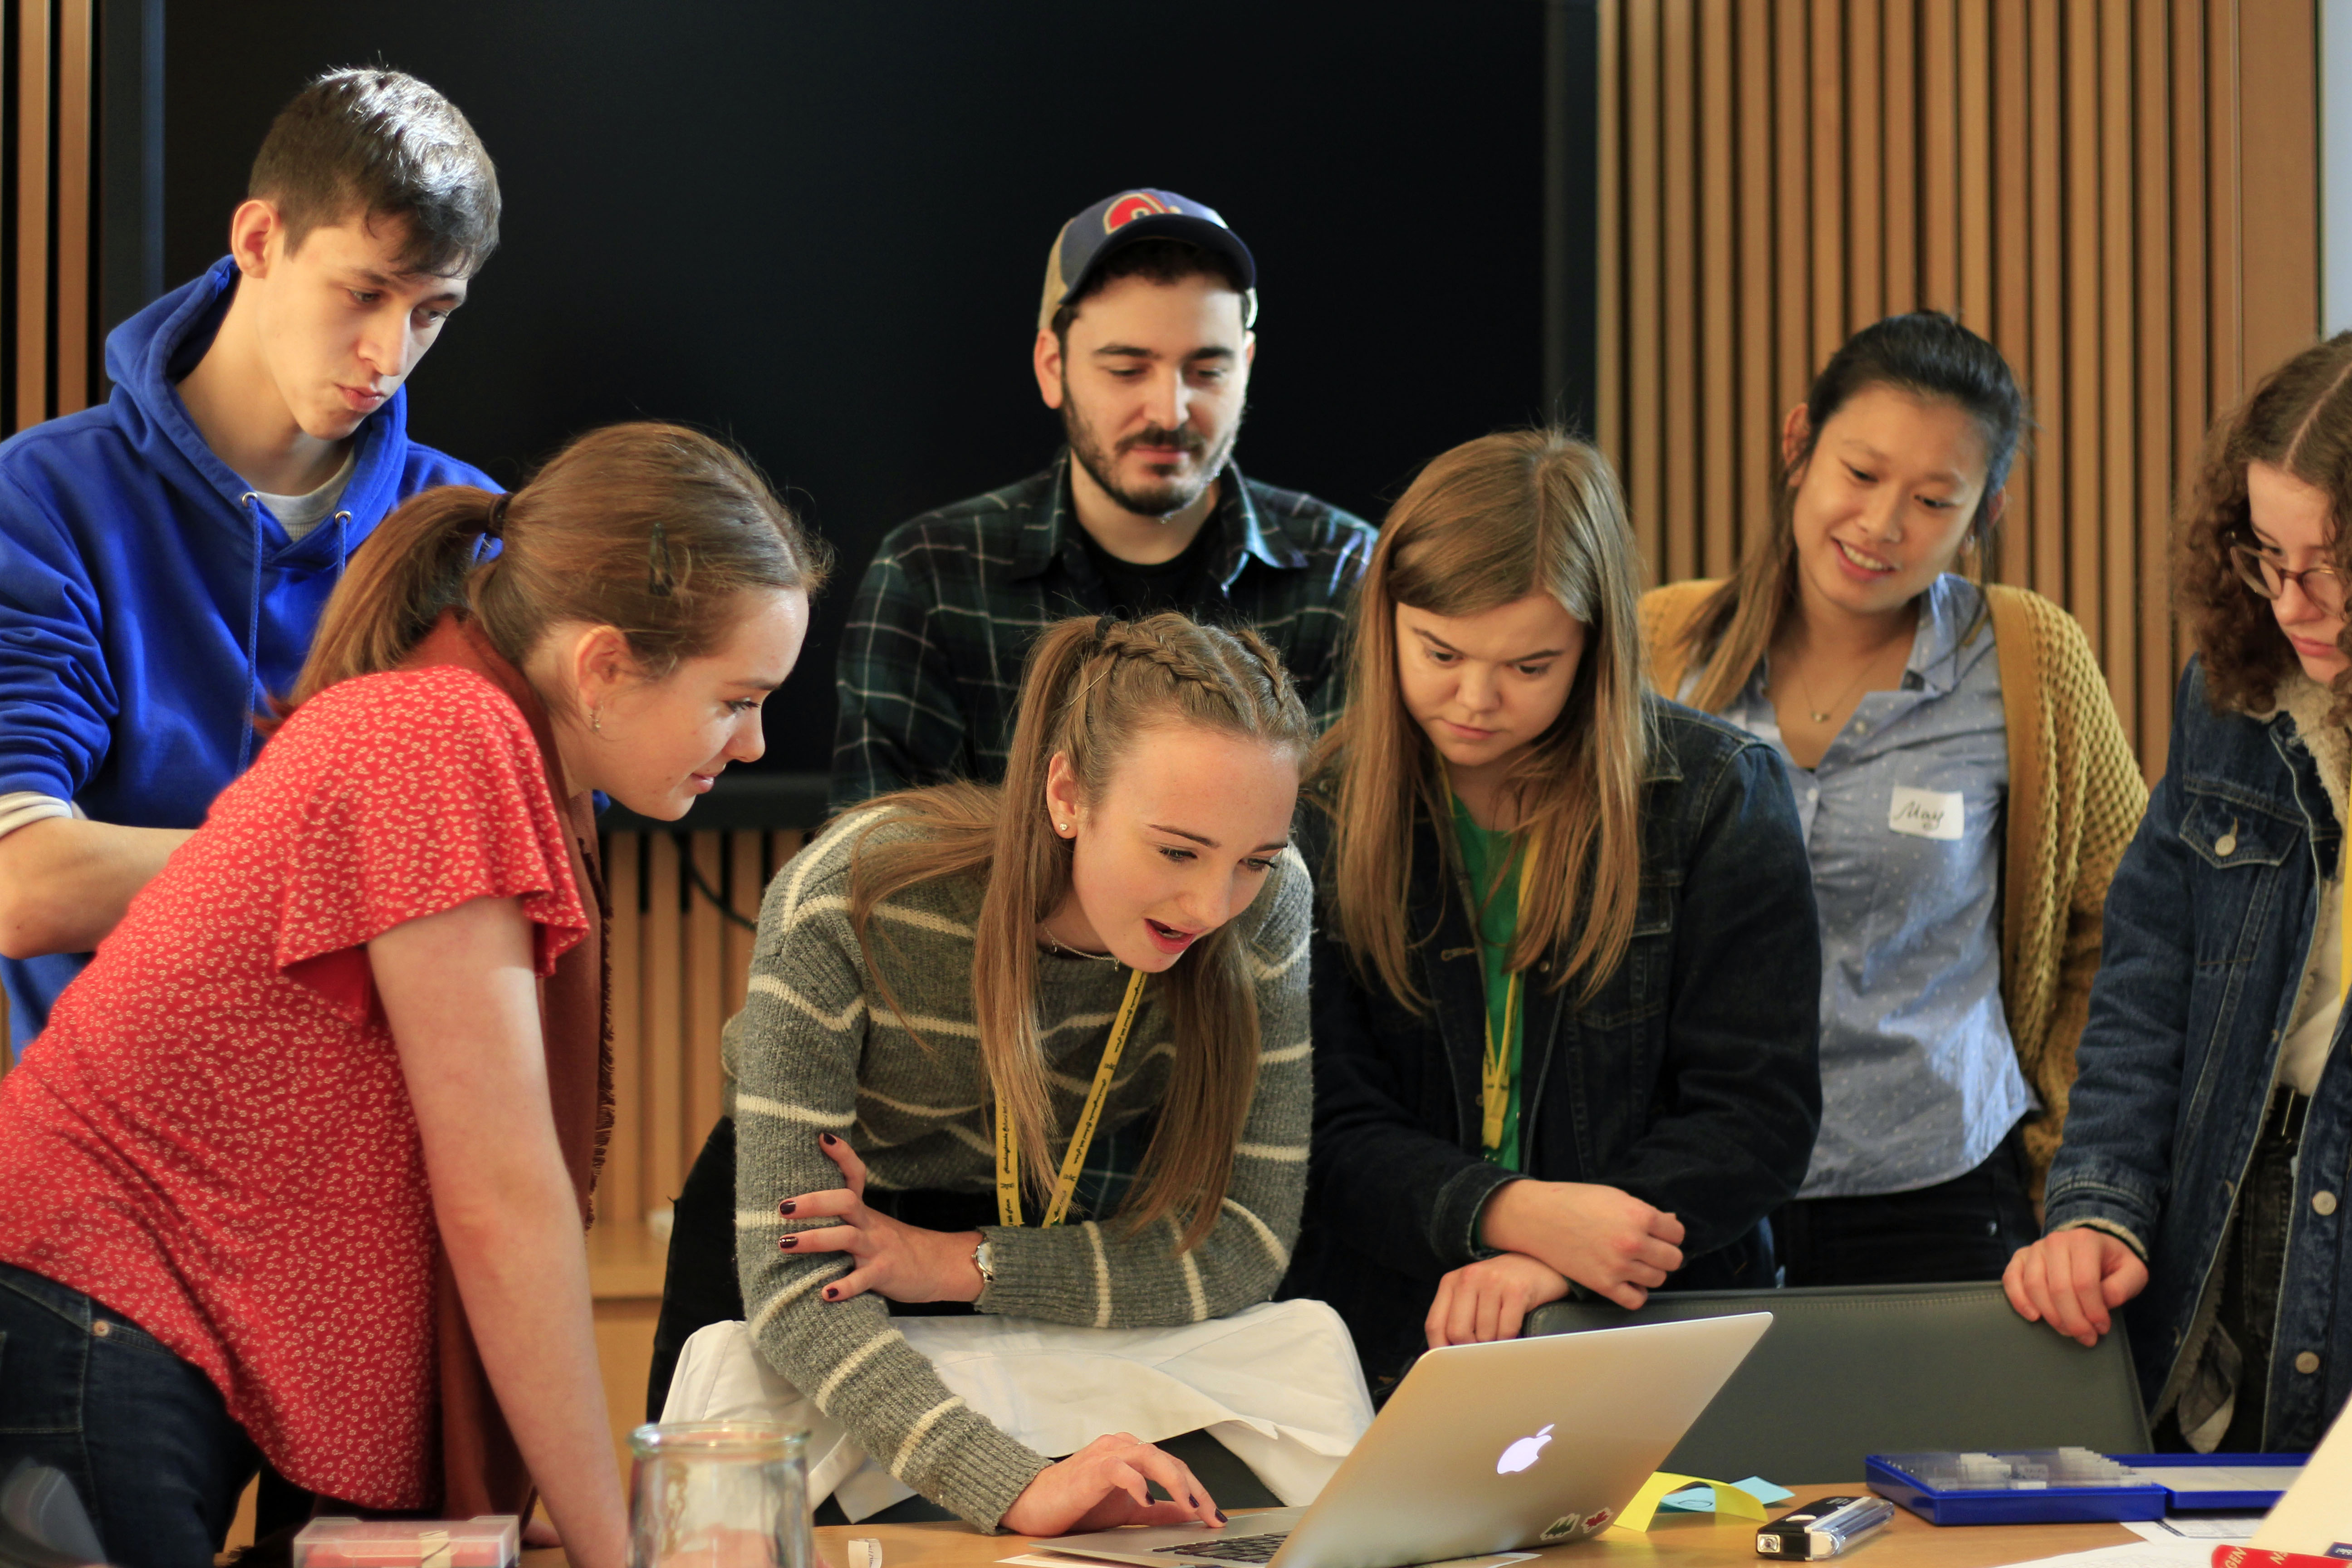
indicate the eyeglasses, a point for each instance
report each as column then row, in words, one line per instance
column 2262, row 571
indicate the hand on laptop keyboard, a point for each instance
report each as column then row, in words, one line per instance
column 1103, row 1485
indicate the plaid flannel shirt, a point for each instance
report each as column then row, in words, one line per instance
column 929, row 669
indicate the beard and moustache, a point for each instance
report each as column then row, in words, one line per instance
column 1162, row 499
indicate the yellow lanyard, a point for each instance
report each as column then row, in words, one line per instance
column 1495, row 1069
column 1008, row 1147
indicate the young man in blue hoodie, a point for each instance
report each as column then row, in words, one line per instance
column 164, row 558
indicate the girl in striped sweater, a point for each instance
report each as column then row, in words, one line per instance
column 1078, row 997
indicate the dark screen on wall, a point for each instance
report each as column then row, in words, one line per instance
column 821, row 229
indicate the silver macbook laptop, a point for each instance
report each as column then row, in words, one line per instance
column 1482, row 1448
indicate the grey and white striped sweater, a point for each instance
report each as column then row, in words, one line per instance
column 817, row 1048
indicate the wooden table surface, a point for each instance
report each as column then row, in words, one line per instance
column 1685, row 1540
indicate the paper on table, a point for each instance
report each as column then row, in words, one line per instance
column 1729, row 1499
column 2135, row 1554
column 2316, row 1515
column 2224, row 1527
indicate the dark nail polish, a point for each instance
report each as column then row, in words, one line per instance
column 830, row 1294
column 789, row 1243
column 785, row 1207
column 1221, row 1517
column 1193, row 1500
column 829, row 1139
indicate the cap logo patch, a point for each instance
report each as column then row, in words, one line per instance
column 1128, row 208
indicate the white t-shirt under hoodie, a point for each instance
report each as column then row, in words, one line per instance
column 298, row 515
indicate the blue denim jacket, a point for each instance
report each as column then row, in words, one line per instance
column 1691, row 1081
column 2208, row 924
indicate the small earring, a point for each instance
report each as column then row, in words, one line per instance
column 596, row 720
column 1063, row 825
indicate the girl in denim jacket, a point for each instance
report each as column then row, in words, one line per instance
column 2198, row 1189
column 1565, row 984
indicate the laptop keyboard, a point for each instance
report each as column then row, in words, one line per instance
column 1240, row 1549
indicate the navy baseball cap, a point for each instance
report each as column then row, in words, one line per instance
column 1120, row 220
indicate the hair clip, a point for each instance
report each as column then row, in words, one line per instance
column 1103, row 627
column 494, row 526
column 658, row 581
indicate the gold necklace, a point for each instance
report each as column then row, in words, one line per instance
column 1820, row 716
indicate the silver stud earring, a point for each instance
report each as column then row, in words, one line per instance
column 596, row 720
column 1063, row 825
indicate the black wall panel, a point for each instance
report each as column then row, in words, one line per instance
column 821, row 228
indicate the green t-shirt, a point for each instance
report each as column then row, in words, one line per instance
column 1494, row 880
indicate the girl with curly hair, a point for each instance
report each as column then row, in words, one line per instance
column 2204, row 1163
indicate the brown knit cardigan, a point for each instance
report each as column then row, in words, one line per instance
column 2075, row 797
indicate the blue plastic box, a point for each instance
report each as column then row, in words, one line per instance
column 2072, row 1505
column 2047, row 1505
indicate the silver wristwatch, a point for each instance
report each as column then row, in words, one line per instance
column 984, row 1260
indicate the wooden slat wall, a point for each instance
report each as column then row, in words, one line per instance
column 49, row 266
column 48, row 256
column 2122, row 194
column 680, row 966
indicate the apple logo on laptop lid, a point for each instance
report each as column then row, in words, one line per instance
column 1524, row 1452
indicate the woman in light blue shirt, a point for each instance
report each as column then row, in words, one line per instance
column 1925, row 718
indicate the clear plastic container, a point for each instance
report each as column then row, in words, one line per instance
column 491, row 1541
column 2030, row 1469
column 718, row 1494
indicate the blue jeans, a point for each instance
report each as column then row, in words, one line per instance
column 143, row 1437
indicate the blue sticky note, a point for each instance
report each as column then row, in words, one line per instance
column 1701, row 1499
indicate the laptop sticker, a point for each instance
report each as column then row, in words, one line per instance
column 1562, row 1528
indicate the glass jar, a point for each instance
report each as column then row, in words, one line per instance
column 718, row 1494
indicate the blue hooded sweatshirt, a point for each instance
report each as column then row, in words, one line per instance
column 149, row 604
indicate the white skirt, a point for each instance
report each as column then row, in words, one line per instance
column 1279, row 1384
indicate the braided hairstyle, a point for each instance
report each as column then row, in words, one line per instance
column 1090, row 689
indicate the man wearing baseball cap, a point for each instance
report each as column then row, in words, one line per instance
column 1144, row 345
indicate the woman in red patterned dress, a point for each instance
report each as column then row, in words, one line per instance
column 297, row 1173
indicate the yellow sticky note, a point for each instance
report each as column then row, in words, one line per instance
column 1729, row 1501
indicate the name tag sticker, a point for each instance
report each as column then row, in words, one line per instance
column 1925, row 813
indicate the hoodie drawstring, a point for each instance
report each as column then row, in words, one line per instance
column 342, row 544
column 252, row 640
